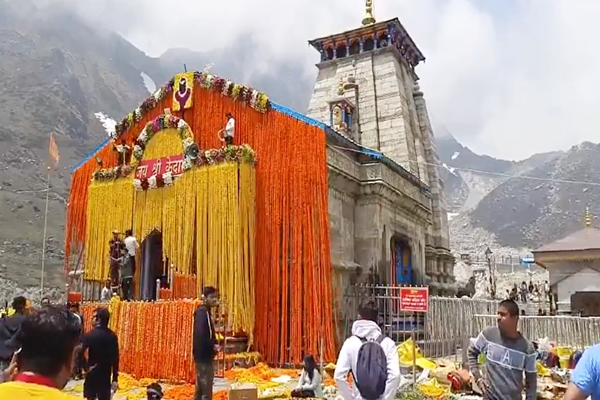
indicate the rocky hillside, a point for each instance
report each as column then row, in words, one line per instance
column 534, row 212
column 56, row 73
column 516, row 206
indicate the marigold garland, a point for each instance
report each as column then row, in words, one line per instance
column 222, row 248
column 110, row 207
column 257, row 100
column 292, row 228
column 184, row 286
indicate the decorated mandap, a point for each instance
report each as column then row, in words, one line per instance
column 249, row 217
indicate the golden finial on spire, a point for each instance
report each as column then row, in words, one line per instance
column 368, row 19
column 588, row 217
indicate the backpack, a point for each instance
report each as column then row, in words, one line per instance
column 371, row 374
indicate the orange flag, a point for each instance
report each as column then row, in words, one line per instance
column 53, row 151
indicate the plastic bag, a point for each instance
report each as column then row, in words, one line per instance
column 405, row 353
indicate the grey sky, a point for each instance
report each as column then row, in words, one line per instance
column 508, row 78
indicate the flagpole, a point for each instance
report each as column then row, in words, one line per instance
column 44, row 235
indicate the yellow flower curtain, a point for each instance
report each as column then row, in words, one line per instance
column 110, row 207
column 225, row 256
column 208, row 211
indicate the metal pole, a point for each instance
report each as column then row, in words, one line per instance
column 44, row 236
column 414, row 356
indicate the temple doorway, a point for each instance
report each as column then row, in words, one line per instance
column 402, row 269
column 151, row 265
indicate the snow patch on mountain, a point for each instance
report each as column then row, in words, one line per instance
column 148, row 82
column 107, row 122
column 450, row 169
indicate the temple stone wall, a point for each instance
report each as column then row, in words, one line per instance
column 439, row 229
column 368, row 207
column 387, row 114
column 371, row 203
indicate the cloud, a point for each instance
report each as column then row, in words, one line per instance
column 509, row 80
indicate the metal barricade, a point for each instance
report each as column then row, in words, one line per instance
column 445, row 329
column 576, row 332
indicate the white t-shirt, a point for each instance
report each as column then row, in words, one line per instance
column 132, row 245
column 230, row 128
column 105, row 295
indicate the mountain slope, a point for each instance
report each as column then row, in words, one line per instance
column 55, row 73
column 534, row 212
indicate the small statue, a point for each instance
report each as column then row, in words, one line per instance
column 341, row 90
column 226, row 135
column 339, row 125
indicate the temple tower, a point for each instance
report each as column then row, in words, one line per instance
column 366, row 90
column 380, row 59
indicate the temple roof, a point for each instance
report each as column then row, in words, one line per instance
column 369, row 29
column 585, row 239
column 332, row 136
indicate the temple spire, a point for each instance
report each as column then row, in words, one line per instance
column 588, row 217
column 368, row 19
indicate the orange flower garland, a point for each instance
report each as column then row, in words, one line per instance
column 292, row 229
column 155, row 339
column 184, row 286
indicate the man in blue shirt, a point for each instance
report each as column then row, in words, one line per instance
column 585, row 379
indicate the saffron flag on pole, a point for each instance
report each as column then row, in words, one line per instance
column 53, row 152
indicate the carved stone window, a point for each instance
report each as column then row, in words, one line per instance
column 341, row 116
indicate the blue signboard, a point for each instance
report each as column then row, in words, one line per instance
column 527, row 260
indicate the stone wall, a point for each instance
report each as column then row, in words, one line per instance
column 370, row 204
column 387, row 117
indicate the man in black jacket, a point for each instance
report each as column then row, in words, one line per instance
column 102, row 363
column 9, row 327
column 204, row 344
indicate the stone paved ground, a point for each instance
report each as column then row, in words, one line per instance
column 75, row 387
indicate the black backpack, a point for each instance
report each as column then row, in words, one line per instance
column 371, row 374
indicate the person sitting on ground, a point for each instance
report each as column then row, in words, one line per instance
column 48, row 338
column 154, row 391
column 309, row 384
column 370, row 357
column 9, row 329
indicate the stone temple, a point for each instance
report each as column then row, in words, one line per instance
column 386, row 201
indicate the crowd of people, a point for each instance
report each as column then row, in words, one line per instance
column 42, row 348
column 122, row 255
column 526, row 292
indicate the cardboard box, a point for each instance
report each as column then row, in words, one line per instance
column 243, row 392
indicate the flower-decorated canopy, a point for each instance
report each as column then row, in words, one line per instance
column 291, row 194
